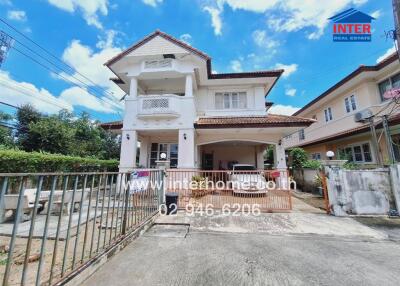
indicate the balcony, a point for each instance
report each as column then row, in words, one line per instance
column 159, row 106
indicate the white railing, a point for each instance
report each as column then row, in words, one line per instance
column 166, row 105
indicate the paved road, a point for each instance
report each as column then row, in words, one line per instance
column 169, row 255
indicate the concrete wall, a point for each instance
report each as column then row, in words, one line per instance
column 359, row 191
column 305, row 179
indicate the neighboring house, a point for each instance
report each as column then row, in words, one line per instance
column 336, row 128
column 176, row 105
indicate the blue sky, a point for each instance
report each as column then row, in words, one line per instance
column 238, row 35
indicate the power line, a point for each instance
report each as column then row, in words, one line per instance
column 10, row 105
column 50, row 54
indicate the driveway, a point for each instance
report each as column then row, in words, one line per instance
column 226, row 250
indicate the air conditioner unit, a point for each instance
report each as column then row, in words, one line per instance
column 363, row 115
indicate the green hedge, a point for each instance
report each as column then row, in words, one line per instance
column 13, row 161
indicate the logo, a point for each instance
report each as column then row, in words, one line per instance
column 352, row 26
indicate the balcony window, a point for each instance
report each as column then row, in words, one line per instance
column 316, row 156
column 230, row 100
column 301, row 134
column 392, row 82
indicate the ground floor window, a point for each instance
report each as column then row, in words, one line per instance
column 396, row 146
column 316, row 156
column 359, row 153
column 170, row 149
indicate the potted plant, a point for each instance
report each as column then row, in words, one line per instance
column 318, row 184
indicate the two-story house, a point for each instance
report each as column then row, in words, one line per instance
column 178, row 107
column 337, row 128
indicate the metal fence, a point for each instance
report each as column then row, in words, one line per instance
column 53, row 223
column 269, row 190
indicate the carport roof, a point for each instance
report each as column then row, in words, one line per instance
column 270, row 120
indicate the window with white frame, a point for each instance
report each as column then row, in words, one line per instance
column 328, row 114
column 171, row 150
column 387, row 84
column 230, row 100
column 359, row 153
column 350, row 103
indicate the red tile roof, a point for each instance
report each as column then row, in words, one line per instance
column 270, row 120
column 390, row 59
column 395, row 119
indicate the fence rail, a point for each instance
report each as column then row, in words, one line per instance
column 52, row 223
column 269, row 190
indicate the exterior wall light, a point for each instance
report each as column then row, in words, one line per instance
column 128, row 137
column 184, row 136
column 330, row 155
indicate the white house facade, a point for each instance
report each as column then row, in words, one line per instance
column 199, row 119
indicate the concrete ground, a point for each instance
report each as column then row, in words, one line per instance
column 270, row 249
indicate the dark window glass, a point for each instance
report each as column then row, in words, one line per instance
column 367, row 152
column 358, row 154
column 349, row 154
column 383, row 87
column 347, row 103
column 154, row 147
column 353, row 102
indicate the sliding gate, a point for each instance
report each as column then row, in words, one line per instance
column 266, row 191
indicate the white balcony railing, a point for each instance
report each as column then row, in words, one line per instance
column 166, row 105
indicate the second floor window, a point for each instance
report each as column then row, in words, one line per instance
column 350, row 103
column 328, row 114
column 392, row 82
column 230, row 100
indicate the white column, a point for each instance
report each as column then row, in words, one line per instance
column 280, row 157
column 144, row 151
column 189, row 86
column 260, row 157
column 127, row 160
column 133, row 89
column 186, row 148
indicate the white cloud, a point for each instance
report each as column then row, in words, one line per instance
column 186, row 38
column 260, row 39
column 216, row 20
column 89, row 8
column 386, row 54
column 292, row 15
column 17, row 15
column 289, row 69
column 79, row 97
column 152, row 3
column 90, row 63
column 376, row 14
column 236, row 66
column 20, row 92
column 290, row 91
column 5, row 2
column 283, row 109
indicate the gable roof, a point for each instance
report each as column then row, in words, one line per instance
column 268, row 73
column 352, row 16
column 390, row 59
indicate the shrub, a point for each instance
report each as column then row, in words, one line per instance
column 312, row 164
column 14, row 161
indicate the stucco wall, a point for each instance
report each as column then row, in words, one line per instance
column 359, row 191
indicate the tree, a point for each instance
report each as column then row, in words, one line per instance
column 299, row 158
column 6, row 136
column 26, row 115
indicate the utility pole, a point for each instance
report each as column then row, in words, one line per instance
column 388, row 137
column 6, row 42
column 396, row 16
column 375, row 141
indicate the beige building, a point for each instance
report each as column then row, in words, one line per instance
column 358, row 94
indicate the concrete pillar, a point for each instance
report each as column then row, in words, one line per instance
column 144, row 152
column 186, row 148
column 280, row 157
column 189, row 86
column 260, row 157
column 128, row 151
column 133, row 89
